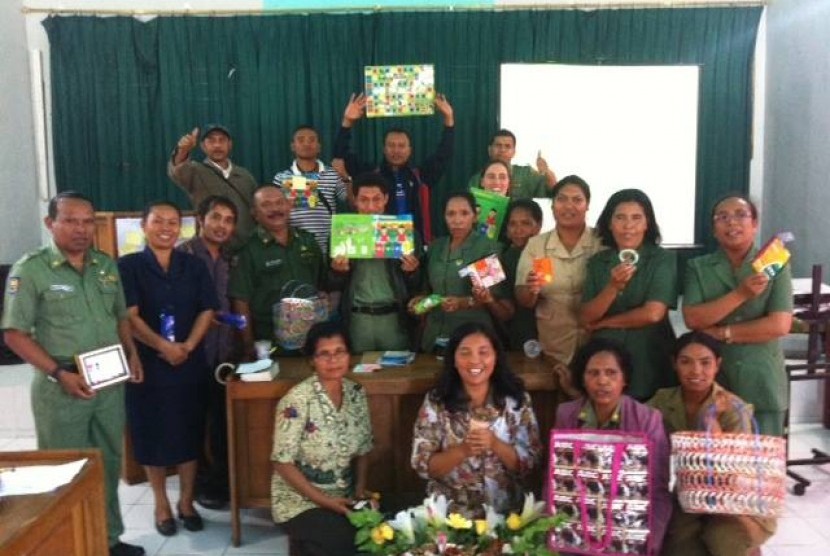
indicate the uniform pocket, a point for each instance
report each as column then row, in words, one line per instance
column 62, row 307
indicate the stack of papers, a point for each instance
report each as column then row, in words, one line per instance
column 34, row 479
column 396, row 358
column 258, row 371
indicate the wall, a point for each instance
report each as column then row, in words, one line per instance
column 797, row 168
column 19, row 222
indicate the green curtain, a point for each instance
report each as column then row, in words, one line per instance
column 123, row 91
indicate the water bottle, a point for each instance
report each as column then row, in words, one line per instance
column 400, row 196
column 168, row 326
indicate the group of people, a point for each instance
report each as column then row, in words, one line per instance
column 611, row 284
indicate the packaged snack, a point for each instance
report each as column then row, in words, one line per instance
column 428, row 303
column 543, row 267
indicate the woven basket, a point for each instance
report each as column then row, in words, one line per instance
column 729, row 473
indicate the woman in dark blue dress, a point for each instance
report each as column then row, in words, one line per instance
column 170, row 300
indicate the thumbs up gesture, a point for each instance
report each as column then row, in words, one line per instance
column 188, row 141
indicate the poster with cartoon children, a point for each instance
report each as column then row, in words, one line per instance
column 491, row 208
column 372, row 236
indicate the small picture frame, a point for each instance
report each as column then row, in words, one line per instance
column 103, row 367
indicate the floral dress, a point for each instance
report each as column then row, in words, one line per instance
column 478, row 479
column 320, row 440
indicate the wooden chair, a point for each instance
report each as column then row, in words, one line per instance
column 814, row 311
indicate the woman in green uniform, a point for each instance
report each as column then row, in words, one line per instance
column 461, row 302
column 748, row 311
column 630, row 287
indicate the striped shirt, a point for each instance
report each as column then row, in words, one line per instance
column 313, row 198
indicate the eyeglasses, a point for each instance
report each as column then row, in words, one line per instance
column 725, row 217
column 331, row 355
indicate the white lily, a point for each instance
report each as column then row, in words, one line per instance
column 531, row 509
column 493, row 518
column 403, row 524
column 436, row 509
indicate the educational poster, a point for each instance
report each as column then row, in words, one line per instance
column 491, row 209
column 372, row 236
column 406, row 90
column 301, row 191
column 486, row 272
column 130, row 237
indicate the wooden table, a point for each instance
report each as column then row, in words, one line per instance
column 69, row 521
column 395, row 395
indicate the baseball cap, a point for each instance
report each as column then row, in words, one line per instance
column 207, row 129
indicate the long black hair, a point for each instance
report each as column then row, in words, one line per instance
column 503, row 382
column 652, row 235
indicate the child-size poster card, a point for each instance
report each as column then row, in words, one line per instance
column 491, row 209
column 372, row 236
column 402, row 90
column 486, row 272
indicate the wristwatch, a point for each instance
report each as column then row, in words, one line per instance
column 727, row 334
column 53, row 374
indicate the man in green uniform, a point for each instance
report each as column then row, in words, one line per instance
column 525, row 181
column 62, row 300
column 273, row 256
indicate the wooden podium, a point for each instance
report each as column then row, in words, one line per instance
column 70, row 521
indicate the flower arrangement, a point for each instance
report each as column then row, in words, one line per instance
column 428, row 530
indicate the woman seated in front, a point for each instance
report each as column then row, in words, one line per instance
column 476, row 435
column 602, row 371
column 700, row 402
column 322, row 435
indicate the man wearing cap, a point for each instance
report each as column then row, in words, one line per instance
column 407, row 179
column 525, row 181
column 63, row 300
column 215, row 175
column 313, row 189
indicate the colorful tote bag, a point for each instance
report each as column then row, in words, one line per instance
column 601, row 482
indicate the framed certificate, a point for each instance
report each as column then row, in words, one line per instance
column 103, row 367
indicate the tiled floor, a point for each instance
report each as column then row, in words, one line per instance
column 803, row 531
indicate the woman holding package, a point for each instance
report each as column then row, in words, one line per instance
column 630, row 287
column 476, row 435
column 568, row 248
column 748, row 311
column 322, row 435
column 700, row 403
column 170, row 300
column 602, row 371
column 461, row 302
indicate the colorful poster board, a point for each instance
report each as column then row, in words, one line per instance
column 372, row 236
column 404, row 90
column 486, row 272
column 491, row 208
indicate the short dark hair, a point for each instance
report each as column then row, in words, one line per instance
column 371, row 179
column 503, row 133
column 148, row 208
column 491, row 162
column 466, row 195
column 397, row 130
column 599, row 345
column 697, row 337
column 303, row 127
column 531, row 206
column 573, row 179
column 211, row 201
column 52, row 210
column 752, row 208
column 504, row 382
column 652, row 235
column 322, row 331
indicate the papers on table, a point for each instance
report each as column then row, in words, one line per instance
column 35, row 479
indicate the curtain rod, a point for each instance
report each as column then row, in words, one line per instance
column 230, row 12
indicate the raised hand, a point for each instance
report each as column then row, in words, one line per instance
column 541, row 163
column 445, row 108
column 354, row 109
column 189, row 140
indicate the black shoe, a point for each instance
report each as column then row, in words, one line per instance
column 212, row 502
column 192, row 522
column 124, row 549
column 166, row 527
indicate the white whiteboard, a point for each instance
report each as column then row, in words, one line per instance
column 616, row 127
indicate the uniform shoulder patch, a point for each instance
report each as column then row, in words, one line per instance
column 13, row 285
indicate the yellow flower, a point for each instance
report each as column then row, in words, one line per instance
column 458, row 521
column 481, row 526
column 514, row 522
column 382, row 533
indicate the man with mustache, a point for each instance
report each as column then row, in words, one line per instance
column 275, row 254
column 217, row 216
column 215, row 175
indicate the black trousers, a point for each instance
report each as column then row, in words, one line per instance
column 319, row 532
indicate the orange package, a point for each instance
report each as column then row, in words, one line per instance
column 544, row 268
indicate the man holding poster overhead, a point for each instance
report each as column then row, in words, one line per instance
column 63, row 300
column 396, row 166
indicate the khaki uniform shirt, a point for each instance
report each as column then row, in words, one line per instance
column 669, row 402
column 66, row 311
column 557, row 308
